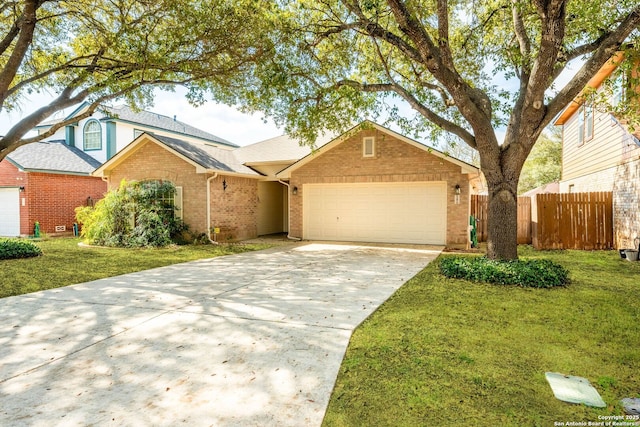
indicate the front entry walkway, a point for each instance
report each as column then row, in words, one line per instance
column 249, row 339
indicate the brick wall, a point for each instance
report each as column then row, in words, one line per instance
column 234, row 210
column 394, row 161
column 626, row 205
column 52, row 199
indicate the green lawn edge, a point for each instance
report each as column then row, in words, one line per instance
column 451, row 352
column 65, row 263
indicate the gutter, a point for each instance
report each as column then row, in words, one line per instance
column 215, row 175
column 289, row 236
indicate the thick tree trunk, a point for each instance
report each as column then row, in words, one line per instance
column 502, row 225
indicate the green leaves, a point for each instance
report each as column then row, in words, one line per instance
column 138, row 214
column 13, row 249
column 535, row 273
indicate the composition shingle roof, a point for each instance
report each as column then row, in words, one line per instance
column 280, row 148
column 159, row 121
column 53, row 156
column 207, row 156
column 149, row 119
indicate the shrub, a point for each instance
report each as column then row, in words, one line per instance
column 134, row 215
column 536, row 273
column 11, row 249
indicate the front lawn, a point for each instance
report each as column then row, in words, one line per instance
column 451, row 352
column 64, row 263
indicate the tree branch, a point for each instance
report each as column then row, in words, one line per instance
column 429, row 114
column 27, row 28
column 608, row 47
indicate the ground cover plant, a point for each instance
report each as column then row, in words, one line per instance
column 14, row 248
column 452, row 352
column 536, row 273
column 65, row 263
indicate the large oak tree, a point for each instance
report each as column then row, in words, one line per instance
column 96, row 51
column 339, row 61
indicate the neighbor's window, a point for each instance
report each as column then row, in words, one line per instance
column 137, row 133
column 92, row 135
column 368, row 147
column 585, row 123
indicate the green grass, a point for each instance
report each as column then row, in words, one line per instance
column 65, row 263
column 451, row 352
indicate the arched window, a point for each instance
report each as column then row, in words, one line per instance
column 92, row 135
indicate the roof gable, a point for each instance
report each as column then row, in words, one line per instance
column 202, row 156
column 286, row 173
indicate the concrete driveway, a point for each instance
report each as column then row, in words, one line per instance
column 253, row 339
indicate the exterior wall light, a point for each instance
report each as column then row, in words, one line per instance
column 224, row 185
column 294, row 191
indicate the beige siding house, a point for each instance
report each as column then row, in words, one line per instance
column 599, row 153
column 370, row 185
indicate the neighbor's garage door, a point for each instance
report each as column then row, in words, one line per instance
column 9, row 212
column 376, row 212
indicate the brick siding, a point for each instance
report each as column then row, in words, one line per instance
column 233, row 210
column 50, row 198
column 626, row 205
column 394, row 161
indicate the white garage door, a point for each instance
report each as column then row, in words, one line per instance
column 376, row 212
column 9, row 212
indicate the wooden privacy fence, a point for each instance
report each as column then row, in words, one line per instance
column 574, row 221
column 479, row 207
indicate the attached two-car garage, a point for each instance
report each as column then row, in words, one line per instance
column 9, row 212
column 389, row 212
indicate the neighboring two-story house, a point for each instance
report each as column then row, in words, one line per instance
column 45, row 181
column 600, row 153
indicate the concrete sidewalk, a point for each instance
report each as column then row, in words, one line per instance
column 253, row 339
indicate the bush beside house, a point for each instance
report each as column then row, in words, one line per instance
column 133, row 215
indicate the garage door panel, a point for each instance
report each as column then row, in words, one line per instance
column 376, row 212
column 9, row 212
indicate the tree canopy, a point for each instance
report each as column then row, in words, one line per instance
column 96, row 51
column 340, row 61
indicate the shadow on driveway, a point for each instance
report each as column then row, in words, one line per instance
column 249, row 339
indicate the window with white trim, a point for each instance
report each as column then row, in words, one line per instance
column 170, row 199
column 137, row 133
column 92, row 135
column 368, row 146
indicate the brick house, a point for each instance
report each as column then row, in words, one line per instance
column 59, row 177
column 600, row 153
column 369, row 184
column 45, row 182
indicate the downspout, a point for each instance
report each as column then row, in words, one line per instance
column 215, row 175
column 289, row 236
